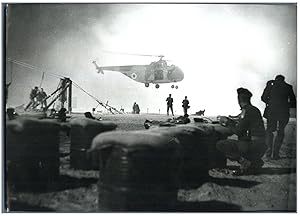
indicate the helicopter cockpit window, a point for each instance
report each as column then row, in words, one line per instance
column 170, row 71
column 158, row 75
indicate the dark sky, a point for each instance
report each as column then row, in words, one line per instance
column 217, row 46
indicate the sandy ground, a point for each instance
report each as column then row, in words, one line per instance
column 273, row 189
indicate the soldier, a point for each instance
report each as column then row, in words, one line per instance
column 249, row 127
column 280, row 99
column 32, row 97
column 41, row 96
column 137, row 109
column 134, row 108
column 11, row 114
column 169, row 104
column 185, row 105
column 266, row 97
column 62, row 114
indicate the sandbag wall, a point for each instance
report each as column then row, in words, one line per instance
column 139, row 170
column 83, row 130
column 32, row 153
column 198, row 142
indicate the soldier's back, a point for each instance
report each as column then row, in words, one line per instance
column 279, row 100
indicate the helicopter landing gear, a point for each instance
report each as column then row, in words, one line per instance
column 157, row 86
column 147, row 85
column 172, row 86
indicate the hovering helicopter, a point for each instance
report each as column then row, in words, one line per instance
column 157, row 72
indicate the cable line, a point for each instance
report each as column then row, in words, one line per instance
column 32, row 67
column 97, row 100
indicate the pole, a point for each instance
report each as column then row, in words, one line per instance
column 70, row 97
column 62, row 91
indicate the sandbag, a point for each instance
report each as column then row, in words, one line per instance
column 32, row 153
column 199, row 148
column 83, row 130
column 138, row 170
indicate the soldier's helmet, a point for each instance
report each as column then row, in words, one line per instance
column 244, row 94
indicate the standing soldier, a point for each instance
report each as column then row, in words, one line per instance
column 266, row 97
column 281, row 99
column 137, row 109
column 134, row 108
column 41, row 98
column 32, row 97
column 249, row 127
column 185, row 105
column 169, row 104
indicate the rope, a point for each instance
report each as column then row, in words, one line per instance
column 59, row 76
column 96, row 99
column 33, row 67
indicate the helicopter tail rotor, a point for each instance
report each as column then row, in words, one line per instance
column 99, row 69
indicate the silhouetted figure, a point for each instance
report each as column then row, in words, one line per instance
column 249, row 127
column 169, row 104
column 41, row 96
column 6, row 91
column 11, row 114
column 266, row 97
column 280, row 99
column 33, row 97
column 62, row 114
column 185, row 105
column 135, row 108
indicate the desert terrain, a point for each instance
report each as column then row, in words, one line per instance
column 272, row 189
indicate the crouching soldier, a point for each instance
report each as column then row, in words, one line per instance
column 250, row 146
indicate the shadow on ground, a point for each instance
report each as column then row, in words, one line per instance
column 16, row 206
column 269, row 170
column 233, row 182
column 63, row 182
column 196, row 183
column 66, row 182
column 277, row 171
column 206, row 206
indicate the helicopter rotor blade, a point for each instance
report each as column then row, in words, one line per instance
column 135, row 54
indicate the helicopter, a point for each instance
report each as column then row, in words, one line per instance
column 157, row 72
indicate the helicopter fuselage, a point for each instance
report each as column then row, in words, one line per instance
column 153, row 73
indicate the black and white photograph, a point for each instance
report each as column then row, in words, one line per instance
column 149, row 107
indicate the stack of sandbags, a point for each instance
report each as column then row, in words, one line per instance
column 32, row 153
column 290, row 136
column 199, row 149
column 138, row 170
column 83, row 130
